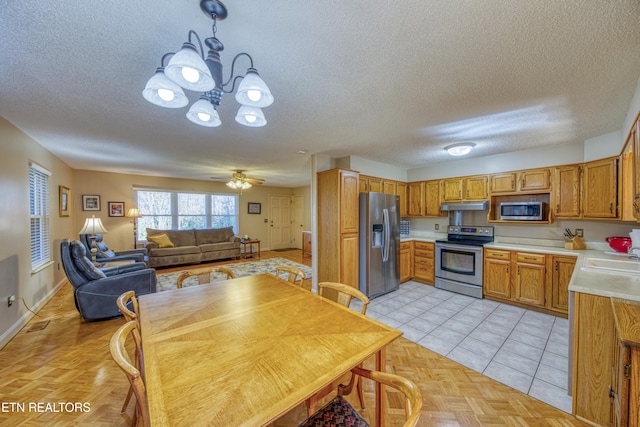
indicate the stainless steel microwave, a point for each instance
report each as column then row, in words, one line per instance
column 521, row 211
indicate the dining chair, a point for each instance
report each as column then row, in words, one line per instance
column 291, row 274
column 135, row 376
column 204, row 274
column 343, row 294
column 339, row 412
column 129, row 314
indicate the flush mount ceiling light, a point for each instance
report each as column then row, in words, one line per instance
column 460, row 149
column 190, row 70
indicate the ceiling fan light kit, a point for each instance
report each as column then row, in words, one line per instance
column 189, row 69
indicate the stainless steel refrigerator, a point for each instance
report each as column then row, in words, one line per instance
column 379, row 243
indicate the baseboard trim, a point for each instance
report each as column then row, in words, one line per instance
column 24, row 319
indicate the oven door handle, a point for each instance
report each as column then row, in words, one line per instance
column 387, row 235
column 467, row 248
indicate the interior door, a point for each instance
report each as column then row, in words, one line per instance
column 297, row 221
column 280, row 222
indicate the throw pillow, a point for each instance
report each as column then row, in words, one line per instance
column 162, row 240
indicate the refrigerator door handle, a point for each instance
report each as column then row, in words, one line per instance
column 387, row 235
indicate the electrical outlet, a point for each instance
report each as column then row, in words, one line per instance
column 437, row 226
column 579, row 232
column 10, row 300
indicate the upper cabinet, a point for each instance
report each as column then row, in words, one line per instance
column 388, row 187
column 415, row 192
column 433, row 198
column 466, row 188
column 600, row 189
column 401, row 191
column 530, row 180
column 566, row 191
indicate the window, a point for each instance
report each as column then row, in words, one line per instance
column 39, row 215
column 167, row 210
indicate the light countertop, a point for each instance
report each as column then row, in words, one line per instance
column 609, row 284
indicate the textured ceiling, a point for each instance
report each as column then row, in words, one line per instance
column 391, row 81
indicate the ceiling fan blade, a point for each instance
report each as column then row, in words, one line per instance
column 254, row 181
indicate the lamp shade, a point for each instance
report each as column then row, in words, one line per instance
column 189, row 70
column 161, row 91
column 250, row 116
column 253, row 91
column 93, row 225
column 134, row 213
column 202, row 113
column 460, row 149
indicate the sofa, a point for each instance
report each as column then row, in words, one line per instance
column 174, row 247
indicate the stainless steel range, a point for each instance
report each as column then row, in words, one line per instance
column 459, row 259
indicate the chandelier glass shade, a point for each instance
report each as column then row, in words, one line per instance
column 189, row 69
column 238, row 184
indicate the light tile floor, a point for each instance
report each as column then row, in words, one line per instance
column 521, row 348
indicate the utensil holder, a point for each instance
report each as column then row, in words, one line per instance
column 575, row 243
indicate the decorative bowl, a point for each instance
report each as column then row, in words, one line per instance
column 619, row 244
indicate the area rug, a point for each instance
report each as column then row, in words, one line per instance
column 167, row 281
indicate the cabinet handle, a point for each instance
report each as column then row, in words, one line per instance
column 513, row 185
column 531, row 258
column 635, row 203
column 523, row 180
column 507, row 268
column 558, row 208
column 610, row 208
column 518, row 270
column 556, row 265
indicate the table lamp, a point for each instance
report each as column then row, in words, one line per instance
column 134, row 213
column 93, row 226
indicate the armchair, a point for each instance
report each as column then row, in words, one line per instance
column 96, row 290
column 105, row 254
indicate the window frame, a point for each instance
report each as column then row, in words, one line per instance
column 39, row 217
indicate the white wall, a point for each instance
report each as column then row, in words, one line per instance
column 602, row 146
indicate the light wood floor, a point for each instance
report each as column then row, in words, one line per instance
column 69, row 361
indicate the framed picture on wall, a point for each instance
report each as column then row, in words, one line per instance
column 65, row 200
column 255, row 208
column 116, row 208
column 90, row 202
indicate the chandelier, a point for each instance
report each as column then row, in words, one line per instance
column 189, row 69
column 238, row 184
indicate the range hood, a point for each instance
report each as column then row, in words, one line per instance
column 465, row 206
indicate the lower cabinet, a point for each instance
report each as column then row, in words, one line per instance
column 531, row 280
column 406, row 261
column 424, row 262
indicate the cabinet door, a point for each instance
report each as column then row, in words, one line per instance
column 364, row 184
column 600, row 189
column 530, row 284
column 401, row 191
column 375, row 185
column 566, row 191
column 415, row 191
column 593, row 344
column 432, row 198
column 497, row 278
column 452, row 190
column 503, row 183
column 349, row 202
column 405, row 262
column 562, row 271
column 535, row 180
column 388, row 187
column 475, row 188
column 349, row 260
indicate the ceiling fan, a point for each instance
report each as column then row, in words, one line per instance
column 240, row 181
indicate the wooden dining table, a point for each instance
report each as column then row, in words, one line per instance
column 245, row 351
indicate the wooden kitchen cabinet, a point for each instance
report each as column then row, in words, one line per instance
column 475, row 187
column 388, row 187
column 401, row 192
column 530, row 281
column 338, row 226
column 432, row 198
column 626, row 357
column 593, row 358
column 452, row 189
column 561, row 271
column 503, row 182
column 375, row 185
column 535, row 180
column 415, row 191
column 424, row 262
column 565, row 199
column 406, row 261
column 497, row 273
column 600, row 188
